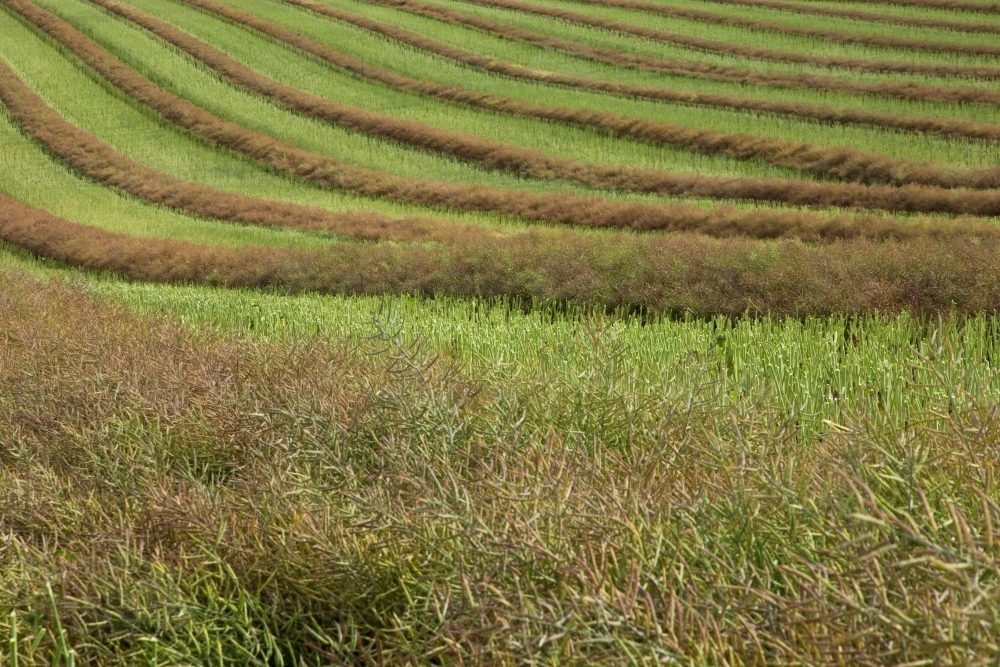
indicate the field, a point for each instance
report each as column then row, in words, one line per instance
column 499, row 332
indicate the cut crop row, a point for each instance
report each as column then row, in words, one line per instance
column 716, row 18
column 727, row 48
column 88, row 155
column 842, row 163
column 859, row 15
column 98, row 161
column 637, row 128
column 956, row 5
column 902, row 90
column 826, row 162
column 561, row 208
column 657, row 274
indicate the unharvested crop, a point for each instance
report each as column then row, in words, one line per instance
column 907, row 90
column 186, row 495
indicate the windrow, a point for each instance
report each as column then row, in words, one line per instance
column 621, row 126
column 98, row 161
column 837, row 162
column 727, row 48
column 902, row 90
column 841, row 163
column 959, row 5
column 557, row 208
column 858, row 15
column 781, row 28
column 822, row 162
column 673, row 274
column 88, row 155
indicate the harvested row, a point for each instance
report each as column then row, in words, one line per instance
column 837, row 162
column 328, row 172
column 702, row 276
column 908, row 91
column 552, row 208
column 840, row 163
column 857, row 14
column 772, row 26
column 960, row 5
column 98, row 161
column 621, row 126
column 726, row 48
column 88, row 155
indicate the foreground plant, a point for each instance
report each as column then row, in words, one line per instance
column 193, row 498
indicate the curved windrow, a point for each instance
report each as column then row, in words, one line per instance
column 638, row 128
column 730, row 49
column 871, row 17
column 902, row 90
column 554, row 208
column 834, row 162
column 716, row 18
column 666, row 274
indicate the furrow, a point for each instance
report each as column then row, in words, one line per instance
column 715, row 18
column 678, row 274
column 909, row 91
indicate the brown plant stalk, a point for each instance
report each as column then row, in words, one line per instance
column 638, row 128
column 859, row 15
column 902, row 90
column 561, row 208
column 659, row 274
column 771, row 26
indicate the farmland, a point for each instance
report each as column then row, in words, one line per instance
column 562, row 332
